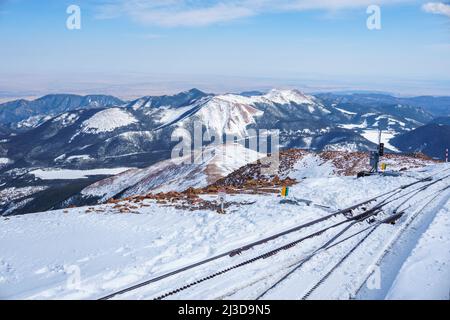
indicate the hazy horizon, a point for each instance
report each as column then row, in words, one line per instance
column 147, row 47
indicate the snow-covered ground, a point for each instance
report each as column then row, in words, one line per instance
column 426, row 273
column 86, row 253
column 68, row 174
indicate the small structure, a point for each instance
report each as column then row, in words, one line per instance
column 285, row 191
column 221, row 198
column 375, row 160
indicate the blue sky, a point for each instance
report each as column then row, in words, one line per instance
column 136, row 47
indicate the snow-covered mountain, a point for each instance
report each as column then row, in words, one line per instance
column 23, row 114
column 138, row 134
column 178, row 100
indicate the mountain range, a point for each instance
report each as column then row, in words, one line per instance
column 98, row 132
column 22, row 114
column 432, row 139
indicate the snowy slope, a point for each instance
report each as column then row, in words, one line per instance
column 226, row 114
column 232, row 114
column 302, row 164
column 108, row 120
column 86, row 253
column 426, row 272
column 176, row 174
column 66, row 174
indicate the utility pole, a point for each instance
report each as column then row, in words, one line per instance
column 374, row 158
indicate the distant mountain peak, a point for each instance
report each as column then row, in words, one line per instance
column 176, row 100
column 195, row 91
column 51, row 105
column 284, row 96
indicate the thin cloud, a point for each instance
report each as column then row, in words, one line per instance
column 437, row 8
column 176, row 13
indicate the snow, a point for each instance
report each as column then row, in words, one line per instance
column 311, row 166
column 169, row 115
column 222, row 115
column 216, row 162
column 113, row 250
column 136, row 136
column 372, row 136
column 9, row 194
column 78, row 157
column 345, row 111
column 288, row 96
column 60, row 157
column 67, row 119
column 343, row 146
column 228, row 158
column 231, row 113
column 274, row 96
column 354, row 126
column 108, row 120
column 417, row 123
column 33, row 121
column 391, row 121
column 176, row 174
column 42, row 254
column 426, row 273
column 5, row 161
column 67, row 174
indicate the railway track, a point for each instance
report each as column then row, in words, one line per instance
column 397, row 214
column 351, row 216
column 357, row 245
